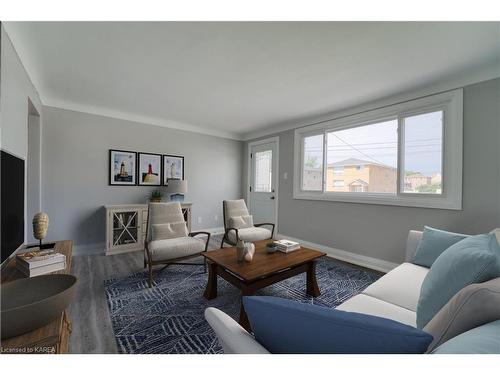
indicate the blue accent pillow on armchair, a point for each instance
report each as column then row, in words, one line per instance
column 289, row 327
column 432, row 245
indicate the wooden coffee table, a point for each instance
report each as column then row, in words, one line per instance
column 264, row 270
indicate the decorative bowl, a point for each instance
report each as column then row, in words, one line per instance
column 271, row 249
column 31, row 303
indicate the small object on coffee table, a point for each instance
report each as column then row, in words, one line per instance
column 271, row 247
column 240, row 250
column 287, row 246
column 264, row 270
column 249, row 251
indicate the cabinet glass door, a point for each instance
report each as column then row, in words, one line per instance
column 125, row 228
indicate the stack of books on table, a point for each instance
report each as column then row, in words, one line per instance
column 287, row 246
column 39, row 262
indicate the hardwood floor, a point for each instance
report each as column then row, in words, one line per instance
column 92, row 331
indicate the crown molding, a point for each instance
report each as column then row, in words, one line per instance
column 479, row 74
column 141, row 119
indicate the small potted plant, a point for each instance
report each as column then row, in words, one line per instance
column 156, row 195
column 271, row 247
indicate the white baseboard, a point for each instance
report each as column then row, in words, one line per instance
column 346, row 256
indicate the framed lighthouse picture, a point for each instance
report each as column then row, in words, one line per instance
column 149, row 166
column 173, row 168
column 122, row 167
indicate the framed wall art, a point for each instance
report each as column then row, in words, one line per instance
column 122, row 167
column 149, row 169
column 173, row 168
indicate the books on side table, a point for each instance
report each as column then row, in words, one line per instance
column 287, row 246
column 39, row 262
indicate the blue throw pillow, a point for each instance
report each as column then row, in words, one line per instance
column 475, row 259
column 432, row 245
column 289, row 327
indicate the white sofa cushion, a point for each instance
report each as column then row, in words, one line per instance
column 364, row 304
column 250, row 234
column 412, row 242
column 175, row 248
column 400, row 287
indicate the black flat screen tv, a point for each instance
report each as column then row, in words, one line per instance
column 12, row 203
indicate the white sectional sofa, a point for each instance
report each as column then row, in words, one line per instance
column 394, row 296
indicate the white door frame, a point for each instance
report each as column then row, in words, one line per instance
column 249, row 173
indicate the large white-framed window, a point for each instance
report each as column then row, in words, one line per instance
column 406, row 154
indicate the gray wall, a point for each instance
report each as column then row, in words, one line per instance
column 33, row 165
column 16, row 91
column 75, row 171
column 380, row 231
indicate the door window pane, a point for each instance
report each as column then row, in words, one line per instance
column 312, row 167
column 423, row 153
column 363, row 159
column 263, row 171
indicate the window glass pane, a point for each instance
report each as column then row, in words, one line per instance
column 312, row 168
column 423, row 150
column 363, row 159
column 263, row 171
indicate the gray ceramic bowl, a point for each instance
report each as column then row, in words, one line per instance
column 31, row 303
column 271, row 249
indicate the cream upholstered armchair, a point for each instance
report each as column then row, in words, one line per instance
column 167, row 239
column 238, row 224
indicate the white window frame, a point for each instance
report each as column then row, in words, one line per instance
column 450, row 102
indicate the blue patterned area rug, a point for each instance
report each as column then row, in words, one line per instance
column 168, row 318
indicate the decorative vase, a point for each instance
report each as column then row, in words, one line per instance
column 249, row 251
column 155, row 200
column 240, row 250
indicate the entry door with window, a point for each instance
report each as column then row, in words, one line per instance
column 263, row 182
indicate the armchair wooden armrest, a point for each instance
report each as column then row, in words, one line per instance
column 193, row 234
column 225, row 237
column 262, row 224
column 147, row 256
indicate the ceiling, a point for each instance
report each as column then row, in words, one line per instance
column 235, row 78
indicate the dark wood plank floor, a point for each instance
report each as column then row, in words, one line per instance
column 92, row 331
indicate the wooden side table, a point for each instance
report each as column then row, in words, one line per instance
column 52, row 338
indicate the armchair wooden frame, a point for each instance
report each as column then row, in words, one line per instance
column 149, row 262
column 225, row 237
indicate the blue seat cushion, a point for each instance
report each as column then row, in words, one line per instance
column 289, row 327
column 432, row 245
column 475, row 259
column 484, row 339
